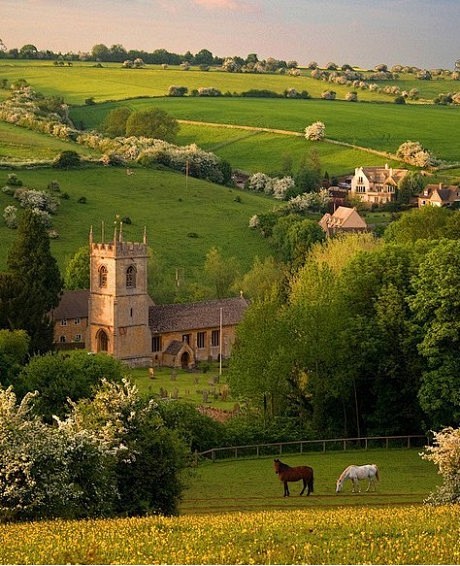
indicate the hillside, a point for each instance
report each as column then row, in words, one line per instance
column 182, row 223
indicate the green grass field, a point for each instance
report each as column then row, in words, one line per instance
column 252, row 485
column 381, row 127
column 233, row 512
column 158, row 200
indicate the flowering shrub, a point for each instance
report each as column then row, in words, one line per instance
column 254, row 221
column 315, row 131
column 415, row 154
column 258, row 182
column 445, row 454
column 310, row 202
column 10, row 216
column 209, row 91
column 31, row 198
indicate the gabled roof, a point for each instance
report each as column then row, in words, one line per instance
column 193, row 316
column 441, row 194
column 388, row 175
column 344, row 218
column 73, row 304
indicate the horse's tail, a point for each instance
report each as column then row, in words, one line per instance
column 310, row 482
column 377, row 472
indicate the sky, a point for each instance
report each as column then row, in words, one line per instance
column 365, row 33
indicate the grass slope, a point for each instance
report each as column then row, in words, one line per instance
column 251, row 484
column 158, row 200
column 380, row 127
column 83, row 80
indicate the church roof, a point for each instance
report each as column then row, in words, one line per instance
column 73, row 304
column 192, row 316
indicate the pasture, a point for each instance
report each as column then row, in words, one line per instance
column 112, row 82
column 246, row 520
column 380, row 127
column 183, row 222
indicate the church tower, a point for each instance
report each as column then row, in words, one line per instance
column 118, row 316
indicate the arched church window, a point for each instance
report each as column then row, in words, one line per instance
column 103, row 276
column 131, row 276
column 102, row 341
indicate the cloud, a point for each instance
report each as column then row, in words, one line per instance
column 219, row 4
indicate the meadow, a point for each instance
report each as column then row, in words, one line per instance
column 380, row 127
column 243, row 519
column 183, row 219
column 82, row 80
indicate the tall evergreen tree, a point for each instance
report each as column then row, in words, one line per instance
column 37, row 283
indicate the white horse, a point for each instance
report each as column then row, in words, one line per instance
column 369, row 472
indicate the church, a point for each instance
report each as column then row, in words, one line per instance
column 116, row 315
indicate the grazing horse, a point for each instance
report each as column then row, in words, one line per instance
column 286, row 473
column 369, row 472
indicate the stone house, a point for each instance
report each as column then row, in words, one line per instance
column 376, row 185
column 439, row 195
column 343, row 220
column 116, row 315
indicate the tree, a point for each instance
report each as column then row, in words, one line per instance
column 426, row 223
column 100, row 52
column 154, row 123
column 260, row 364
column 76, row 274
column 436, row 309
column 264, row 277
column 203, row 57
column 415, row 154
column 220, row 271
column 315, row 131
column 14, row 346
column 62, row 376
column 445, row 454
column 67, row 159
column 37, row 282
column 28, row 51
column 114, row 123
column 409, row 186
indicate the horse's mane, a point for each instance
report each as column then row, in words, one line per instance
column 345, row 471
column 282, row 465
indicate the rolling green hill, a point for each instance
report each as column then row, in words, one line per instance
column 182, row 223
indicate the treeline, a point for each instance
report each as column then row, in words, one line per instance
column 361, row 338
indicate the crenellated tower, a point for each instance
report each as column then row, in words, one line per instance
column 118, row 317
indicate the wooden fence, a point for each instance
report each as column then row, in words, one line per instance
column 301, row 446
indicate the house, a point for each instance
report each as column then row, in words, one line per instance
column 343, row 220
column 116, row 315
column 376, row 185
column 439, row 195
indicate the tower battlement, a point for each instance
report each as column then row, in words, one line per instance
column 120, row 249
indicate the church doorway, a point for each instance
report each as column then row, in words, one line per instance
column 185, row 360
column 102, row 341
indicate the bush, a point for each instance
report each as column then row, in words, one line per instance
column 315, row 131
column 67, row 159
column 445, row 454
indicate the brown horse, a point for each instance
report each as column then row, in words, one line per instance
column 286, row 473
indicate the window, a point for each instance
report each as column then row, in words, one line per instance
column 77, row 338
column 215, row 338
column 62, row 339
column 186, row 338
column 156, row 344
column 201, row 339
column 103, row 276
column 64, row 322
column 131, row 277
column 77, row 321
column 102, row 341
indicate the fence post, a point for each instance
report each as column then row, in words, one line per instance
column 213, row 455
column 324, row 446
column 257, row 451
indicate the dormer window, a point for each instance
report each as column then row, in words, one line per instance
column 131, row 277
column 103, row 276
